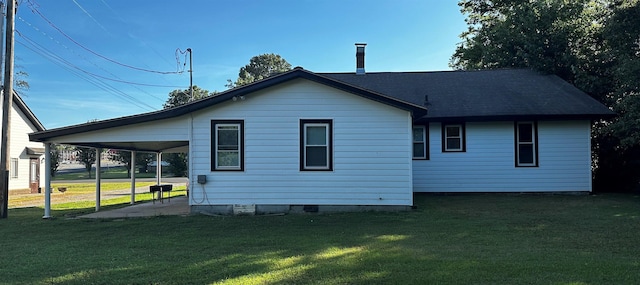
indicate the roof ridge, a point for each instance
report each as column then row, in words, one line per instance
column 506, row 69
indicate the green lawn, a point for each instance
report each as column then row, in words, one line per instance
column 456, row 239
column 76, row 191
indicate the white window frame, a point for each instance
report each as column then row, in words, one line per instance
column 423, row 142
column 216, row 125
column 533, row 143
column 327, row 124
column 446, row 137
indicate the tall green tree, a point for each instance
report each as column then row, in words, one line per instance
column 593, row 44
column 86, row 156
column 542, row 35
column 180, row 97
column 260, row 67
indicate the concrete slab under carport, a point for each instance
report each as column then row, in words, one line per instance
column 178, row 206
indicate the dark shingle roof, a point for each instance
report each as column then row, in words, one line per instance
column 482, row 95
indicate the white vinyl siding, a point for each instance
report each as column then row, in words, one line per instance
column 564, row 160
column 173, row 129
column 371, row 150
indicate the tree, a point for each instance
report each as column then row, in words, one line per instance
column 260, row 67
column 180, row 97
column 55, row 152
column 142, row 160
column 177, row 164
column 542, row 35
column 86, row 156
column 592, row 44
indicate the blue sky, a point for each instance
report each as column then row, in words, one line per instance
column 70, row 48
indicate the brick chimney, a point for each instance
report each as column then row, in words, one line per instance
column 360, row 58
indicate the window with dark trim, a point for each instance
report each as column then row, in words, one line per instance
column 453, row 138
column 526, row 144
column 420, row 142
column 227, row 145
column 316, row 145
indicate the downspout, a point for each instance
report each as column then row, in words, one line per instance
column 47, row 181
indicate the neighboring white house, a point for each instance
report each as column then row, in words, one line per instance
column 25, row 165
column 304, row 141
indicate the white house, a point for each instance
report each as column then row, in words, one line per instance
column 304, row 141
column 25, row 165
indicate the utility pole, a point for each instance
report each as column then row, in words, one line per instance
column 190, row 75
column 7, row 103
column 3, row 10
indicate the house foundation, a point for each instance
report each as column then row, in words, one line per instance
column 228, row 210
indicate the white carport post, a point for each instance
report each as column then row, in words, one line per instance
column 47, row 181
column 98, row 157
column 133, row 177
column 158, row 168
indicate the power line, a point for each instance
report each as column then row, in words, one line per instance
column 70, row 67
column 35, row 10
column 87, row 60
column 101, row 76
column 59, row 60
column 94, row 81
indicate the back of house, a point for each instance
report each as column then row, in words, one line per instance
column 304, row 141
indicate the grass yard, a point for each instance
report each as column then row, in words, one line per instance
column 457, row 239
column 74, row 192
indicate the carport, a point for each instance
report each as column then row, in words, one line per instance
column 166, row 131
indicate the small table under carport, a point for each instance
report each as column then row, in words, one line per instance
column 160, row 189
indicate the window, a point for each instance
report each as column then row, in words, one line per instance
column 453, row 138
column 14, row 168
column 316, row 145
column 227, row 145
column 420, row 142
column 526, row 143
